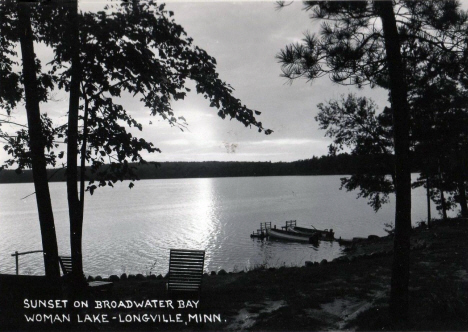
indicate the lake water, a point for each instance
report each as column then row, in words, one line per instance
column 132, row 230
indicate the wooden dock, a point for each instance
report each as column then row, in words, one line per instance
column 261, row 233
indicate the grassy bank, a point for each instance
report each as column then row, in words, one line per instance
column 348, row 293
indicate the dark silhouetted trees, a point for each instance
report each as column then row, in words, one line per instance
column 365, row 42
column 135, row 50
column 353, row 124
column 31, row 87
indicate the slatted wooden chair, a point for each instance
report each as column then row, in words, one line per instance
column 185, row 270
column 66, row 265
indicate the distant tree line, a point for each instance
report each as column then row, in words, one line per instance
column 340, row 164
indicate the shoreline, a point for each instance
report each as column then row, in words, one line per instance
column 361, row 246
column 347, row 293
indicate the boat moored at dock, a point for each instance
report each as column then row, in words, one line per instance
column 322, row 234
column 291, row 232
column 292, row 236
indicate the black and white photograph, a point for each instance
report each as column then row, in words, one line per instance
column 233, row 165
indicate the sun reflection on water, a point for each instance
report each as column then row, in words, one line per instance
column 204, row 225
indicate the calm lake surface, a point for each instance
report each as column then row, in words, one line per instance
column 132, row 230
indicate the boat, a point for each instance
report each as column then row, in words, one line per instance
column 322, row 234
column 292, row 236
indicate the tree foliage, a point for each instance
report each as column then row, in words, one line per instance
column 126, row 51
column 350, row 47
column 353, row 124
column 32, row 86
column 350, row 50
column 440, row 112
column 379, row 43
column 99, row 58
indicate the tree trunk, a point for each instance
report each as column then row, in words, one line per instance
column 83, row 153
column 36, row 144
column 399, row 297
column 442, row 196
column 74, row 206
column 135, row 8
column 428, row 194
column 461, row 186
column 444, row 205
column 462, row 197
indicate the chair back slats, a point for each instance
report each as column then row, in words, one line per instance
column 66, row 264
column 185, row 270
column 188, row 263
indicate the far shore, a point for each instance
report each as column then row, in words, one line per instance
column 341, row 164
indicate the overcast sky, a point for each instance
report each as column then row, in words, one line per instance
column 244, row 37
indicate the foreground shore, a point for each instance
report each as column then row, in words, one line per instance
column 349, row 293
